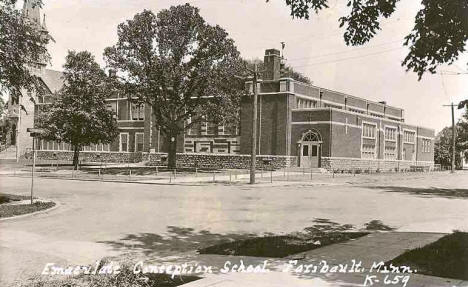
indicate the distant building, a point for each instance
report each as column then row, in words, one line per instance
column 325, row 128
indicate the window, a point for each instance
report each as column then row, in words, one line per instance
column 112, row 106
column 368, row 151
column 390, row 143
column 139, row 139
column 122, row 108
column 305, row 150
column 138, row 111
column 409, row 136
column 124, row 142
column 314, row 150
column 368, row 130
column 390, row 152
column 426, row 145
column 390, row 134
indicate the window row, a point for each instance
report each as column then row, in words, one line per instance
column 61, row 146
column 207, row 128
column 302, row 103
column 356, row 111
column 332, row 106
column 376, row 115
column 127, row 111
column 124, row 142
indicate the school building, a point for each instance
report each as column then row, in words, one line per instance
column 326, row 128
column 299, row 124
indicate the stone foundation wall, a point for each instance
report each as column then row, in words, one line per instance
column 110, row 157
column 223, row 161
column 351, row 164
column 200, row 160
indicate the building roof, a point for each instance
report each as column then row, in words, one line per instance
column 53, row 79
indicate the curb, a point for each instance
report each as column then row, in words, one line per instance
column 57, row 205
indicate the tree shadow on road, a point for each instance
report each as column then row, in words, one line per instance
column 175, row 241
column 426, row 192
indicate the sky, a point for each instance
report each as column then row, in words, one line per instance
column 314, row 47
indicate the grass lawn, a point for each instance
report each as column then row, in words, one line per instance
column 279, row 246
column 6, row 198
column 9, row 210
column 126, row 278
column 446, row 257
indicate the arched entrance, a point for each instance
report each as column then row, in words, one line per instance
column 310, row 149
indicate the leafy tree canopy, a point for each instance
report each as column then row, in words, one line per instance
column 22, row 46
column 79, row 115
column 443, row 142
column 180, row 65
column 438, row 37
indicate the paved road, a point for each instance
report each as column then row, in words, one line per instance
column 97, row 219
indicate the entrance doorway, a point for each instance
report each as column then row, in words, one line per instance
column 310, row 150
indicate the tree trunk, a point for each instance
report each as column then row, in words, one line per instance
column 172, row 152
column 76, row 154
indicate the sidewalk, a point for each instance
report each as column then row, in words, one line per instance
column 223, row 176
column 375, row 247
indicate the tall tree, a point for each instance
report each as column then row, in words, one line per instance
column 79, row 115
column 22, row 46
column 438, row 37
column 180, row 65
column 443, row 142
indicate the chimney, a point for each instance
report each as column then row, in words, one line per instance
column 383, row 102
column 112, row 73
column 272, row 64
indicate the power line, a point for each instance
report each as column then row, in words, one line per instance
column 348, row 58
column 343, row 52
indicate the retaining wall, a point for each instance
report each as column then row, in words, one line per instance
column 183, row 159
column 331, row 163
column 225, row 160
column 114, row 157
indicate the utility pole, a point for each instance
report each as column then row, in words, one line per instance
column 454, row 131
column 253, row 152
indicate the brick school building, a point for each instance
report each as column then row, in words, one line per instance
column 329, row 129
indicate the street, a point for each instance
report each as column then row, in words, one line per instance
column 98, row 219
